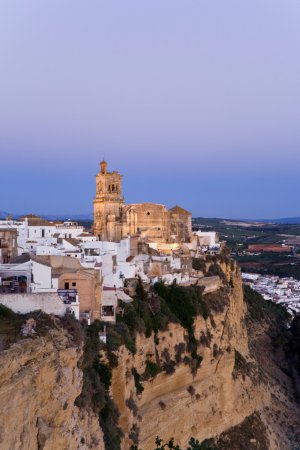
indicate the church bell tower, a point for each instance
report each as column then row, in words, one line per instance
column 108, row 204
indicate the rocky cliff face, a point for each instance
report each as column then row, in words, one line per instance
column 39, row 382
column 237, row 392
column 183, row 403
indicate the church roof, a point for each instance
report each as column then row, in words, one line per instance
column 179, row 210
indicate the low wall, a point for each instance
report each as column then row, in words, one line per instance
column 49, row 302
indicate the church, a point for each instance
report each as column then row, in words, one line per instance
column 113, row 220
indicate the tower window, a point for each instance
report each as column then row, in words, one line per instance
column 148, row 213
column 113, row 187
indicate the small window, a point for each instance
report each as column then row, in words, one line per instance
column 73, row 284
column 148, row 213
column 67, row 285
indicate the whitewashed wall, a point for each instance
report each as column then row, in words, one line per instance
column 50, row 303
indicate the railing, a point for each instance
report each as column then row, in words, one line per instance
column 68, row 295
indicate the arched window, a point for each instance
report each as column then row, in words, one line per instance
column 113, row 187
column 109, row 187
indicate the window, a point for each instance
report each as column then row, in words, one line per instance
column 43, row 233
column 148, row 213
column 73, row 284
column 67, row 285
column 108, row 311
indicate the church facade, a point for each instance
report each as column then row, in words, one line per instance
column 113, row 220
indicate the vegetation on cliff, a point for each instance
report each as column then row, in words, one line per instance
column 194, row 444
column 250, row 434
column 95, row 391
column 11, row 325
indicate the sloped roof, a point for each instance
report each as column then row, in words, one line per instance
column 41, row 260
column 25, row 257
column 20, row 259
column 72, row 241
column 179, row 210
column 35, row 220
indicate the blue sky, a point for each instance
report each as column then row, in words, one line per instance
column 194, row 102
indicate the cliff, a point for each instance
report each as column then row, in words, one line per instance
column 39, row 382
column 219, row 374
column 179, row 402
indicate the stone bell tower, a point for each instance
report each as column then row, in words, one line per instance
column 108, row 204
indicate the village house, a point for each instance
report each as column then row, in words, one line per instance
column 61, row 273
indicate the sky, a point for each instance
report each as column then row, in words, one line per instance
column 195, row 102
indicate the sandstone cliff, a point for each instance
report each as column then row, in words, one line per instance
column 220, row 378
column 39, row 382
column 184, row 404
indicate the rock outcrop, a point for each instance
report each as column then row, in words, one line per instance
column 184, row 404
column 39, row 382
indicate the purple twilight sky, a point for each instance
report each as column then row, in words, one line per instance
column 194, row 102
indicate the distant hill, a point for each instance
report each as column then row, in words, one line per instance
column 200, row 220
column 4, row 214
column 284, row 221
column 68, row 216
column 80, row 217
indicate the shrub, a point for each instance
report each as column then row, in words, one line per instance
column 199, row 264
column 134, row 434
column 215, row 270
column 137, row 381
column 216, row 301
column 191, row 390
column 205, row 339
column 6, row 312
column 152, row 369
column 130, row 403
column 162, row 405
column 169, row 367
column 179, row 349
column 105, row 374
column 74, row 328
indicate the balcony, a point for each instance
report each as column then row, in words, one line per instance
column 68, row 295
